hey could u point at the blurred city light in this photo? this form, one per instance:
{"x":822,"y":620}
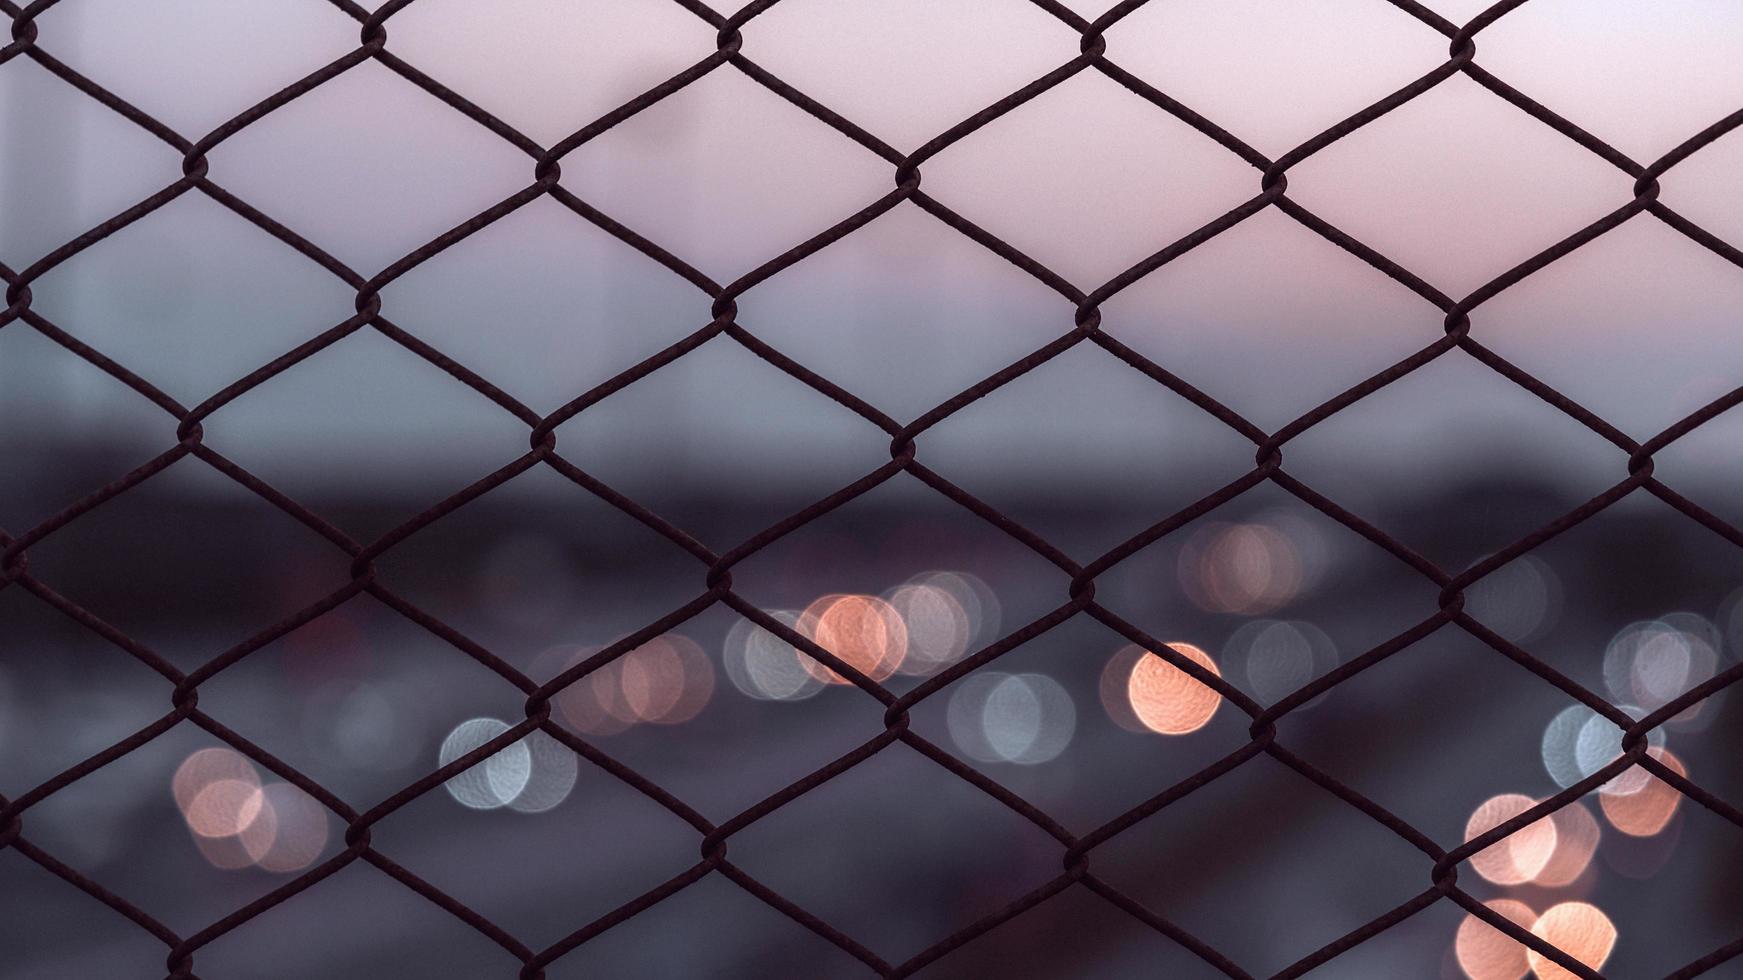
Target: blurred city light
{"x":1279,"y":657}
{"x":1026,"y":718}
{"x":1519,"y":600}
{"x":864,"y":631}
{"x":1579,"y":929}
{"x":494,"y":781}
{"x":1576,"y":840}
{"x":1168,"y":700}
{"x":1240,"y":568}
{"x":1485,"y":952}
{"x":1520,"y":856}
{"x":764,"y":666}
{"x":1647,"y":810}
{"x":938,"y":627}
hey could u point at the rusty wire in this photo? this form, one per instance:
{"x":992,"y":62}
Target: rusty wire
{"x":1076,"y":849}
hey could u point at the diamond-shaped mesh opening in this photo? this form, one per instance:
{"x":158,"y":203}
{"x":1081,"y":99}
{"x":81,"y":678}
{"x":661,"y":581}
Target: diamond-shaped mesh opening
{"x":548,"y":68}
{"x":173,"y":566}
{"x":1311,"y":322}
{"x":774,"y":193}
{"x":1057,"y":159}
{"x":331,"y":931}
{"x":917,"y":312}
{"x":1276,"y":849}
{"x":1456,"y":212}
{"x":915,"y":881}
{"x":1608,"y":296}
{"x":63,"y":181}
{"x":195,"y":63}
{"x":577,"y":294}
{"x":1320,"y":63}
{"x":1647,"y":99}
{"x":192,"y":297}
{"x":311,"y":165}
{"x":952,"y":59}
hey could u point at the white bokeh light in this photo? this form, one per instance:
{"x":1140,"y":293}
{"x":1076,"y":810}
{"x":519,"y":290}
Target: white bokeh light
{"x":1025,"y":719}
{"x":550,"y":777}
{"x":1519,"y":600}
{"x":764,"y":666}
{"x":1599,"y":742}
{"x":493,"y":782}
{"x":1280,"y":656}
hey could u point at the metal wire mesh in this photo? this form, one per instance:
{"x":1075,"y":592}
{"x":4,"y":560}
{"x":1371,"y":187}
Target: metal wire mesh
{"x":714,"y":569}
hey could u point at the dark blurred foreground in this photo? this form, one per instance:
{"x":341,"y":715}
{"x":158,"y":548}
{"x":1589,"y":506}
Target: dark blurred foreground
{"x":897,"y":852}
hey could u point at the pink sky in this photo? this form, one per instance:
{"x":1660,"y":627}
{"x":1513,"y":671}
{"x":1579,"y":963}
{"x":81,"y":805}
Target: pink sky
{"x":1457,"y":186}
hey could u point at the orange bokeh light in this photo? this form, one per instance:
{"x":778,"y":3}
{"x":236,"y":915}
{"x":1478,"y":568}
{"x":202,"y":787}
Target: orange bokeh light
{"x":1518,"y":857}
{"x":1485,"y":952}
{"x":1168,"y":700}
{"x":1578,"y":929}
{"x":695,"y":681}
{"x":224,"y":808}
{"x":666,"y":680}
{"x":1646,"y":811}
{"x":865,"y":632}
{"x":594,"y":704}
{"x":652,"y":678}
{"x":206,"y":766}
{"x":1116,"y":675}
{"x":1241,"y":568}
{"x":1576,"y":840}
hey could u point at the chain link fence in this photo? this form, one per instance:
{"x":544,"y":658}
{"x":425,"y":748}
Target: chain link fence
{"x":1441,"y":866}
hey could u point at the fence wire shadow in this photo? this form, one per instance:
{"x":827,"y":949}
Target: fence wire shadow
{"x":716,"y":568}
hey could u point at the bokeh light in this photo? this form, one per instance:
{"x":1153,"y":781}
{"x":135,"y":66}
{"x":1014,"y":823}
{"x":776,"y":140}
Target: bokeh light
{"x":295,"y":836}
{"x":594,"y":704}
{"x":359,"y":724}
{"x":652,"y":678}
{"x":667,"y":680}
{"x":1578,"y":742}
{"x":1650,"y":663}
{"x":863,"y":631}
{"x":1116,"y":700}
{"x":937,"y":626}
{"x":1240,"y":568}
{"x":238,"y":823}
{"x":1578,"y":929}
{"x":973,"y":595}
{"x":496,"y":780}
{"x":1168,"y":700}
{"x":764,"y":666}
{"x":1025,"y":718}
{"x":224,"y":807}
{"x":1519,"y":600}
{"x":1520,"y":856}
{"x":551,"y":777}
{"x":1485,"y":952}
{"x":229,"y":853}
{"x":1600,"y":743}
{"x":1560,"y":740}
{"x":218,"y":794}
{"x":1279,"y":657}
{"x":206,"y":766}
{"x":1576,"y":840}
{"x":1646,"y":811}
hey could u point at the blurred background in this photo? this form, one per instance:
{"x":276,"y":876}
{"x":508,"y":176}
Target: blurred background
{"x":1638,"y":604}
